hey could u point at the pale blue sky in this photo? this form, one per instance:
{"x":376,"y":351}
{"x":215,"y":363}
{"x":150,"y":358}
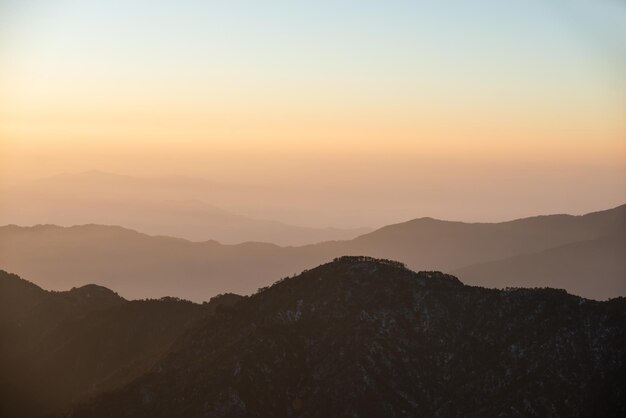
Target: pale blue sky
{"x":521,"y":43}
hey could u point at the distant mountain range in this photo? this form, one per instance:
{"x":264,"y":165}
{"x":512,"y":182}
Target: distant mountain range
{"x":166,"y":206}
{"x":354,"y":337}
{"x":583,"y":254}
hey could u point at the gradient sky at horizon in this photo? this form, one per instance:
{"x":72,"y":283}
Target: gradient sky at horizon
{"x":327,"y":94}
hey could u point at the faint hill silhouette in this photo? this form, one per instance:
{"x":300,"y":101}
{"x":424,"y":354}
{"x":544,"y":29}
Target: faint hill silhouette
{"x":162,"y":206}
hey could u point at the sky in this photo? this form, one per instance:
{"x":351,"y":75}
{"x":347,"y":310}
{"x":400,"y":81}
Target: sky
{"x":476,"y":110}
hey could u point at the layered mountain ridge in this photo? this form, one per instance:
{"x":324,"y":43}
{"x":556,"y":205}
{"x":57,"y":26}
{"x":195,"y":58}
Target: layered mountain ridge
{"x":139,"y":265}
{"x":172,"y":206}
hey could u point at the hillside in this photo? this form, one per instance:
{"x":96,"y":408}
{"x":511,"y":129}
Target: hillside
{"x":139,"y":265}
{"x":61,"y":347}
{"x":370,"y":338}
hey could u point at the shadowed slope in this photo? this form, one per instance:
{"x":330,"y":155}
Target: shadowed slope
{"x":66,"y":346}
{"x":17,"y":296}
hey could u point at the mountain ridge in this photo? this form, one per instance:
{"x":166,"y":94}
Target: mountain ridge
{"x":139,"y":265}
{"x":365,"y":337}
{"x":356,"y":335}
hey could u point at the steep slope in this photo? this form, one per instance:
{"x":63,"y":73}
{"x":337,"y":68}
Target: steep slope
{"x":139,"y":265}
{"x":594,"y":268}
{"x":70,"y":345}
{"x":155,"y":206}
{"x":369,"y":338}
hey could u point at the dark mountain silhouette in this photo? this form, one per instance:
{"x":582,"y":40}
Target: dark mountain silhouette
{"x":61,"y":347}
{"x":139,"y":265}
{"x":370,"y":338}
{"x":17,"y":296}
{"x":595,"y":268}
{"x":165,"y":206}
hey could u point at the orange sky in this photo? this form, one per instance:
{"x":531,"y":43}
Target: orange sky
{"x":296,"y":97}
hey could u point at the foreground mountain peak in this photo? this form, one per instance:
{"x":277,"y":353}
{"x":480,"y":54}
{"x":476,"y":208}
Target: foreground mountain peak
{"x":361,"y":267}
{"x":94,"y":291}
{"x":368,"y":337}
